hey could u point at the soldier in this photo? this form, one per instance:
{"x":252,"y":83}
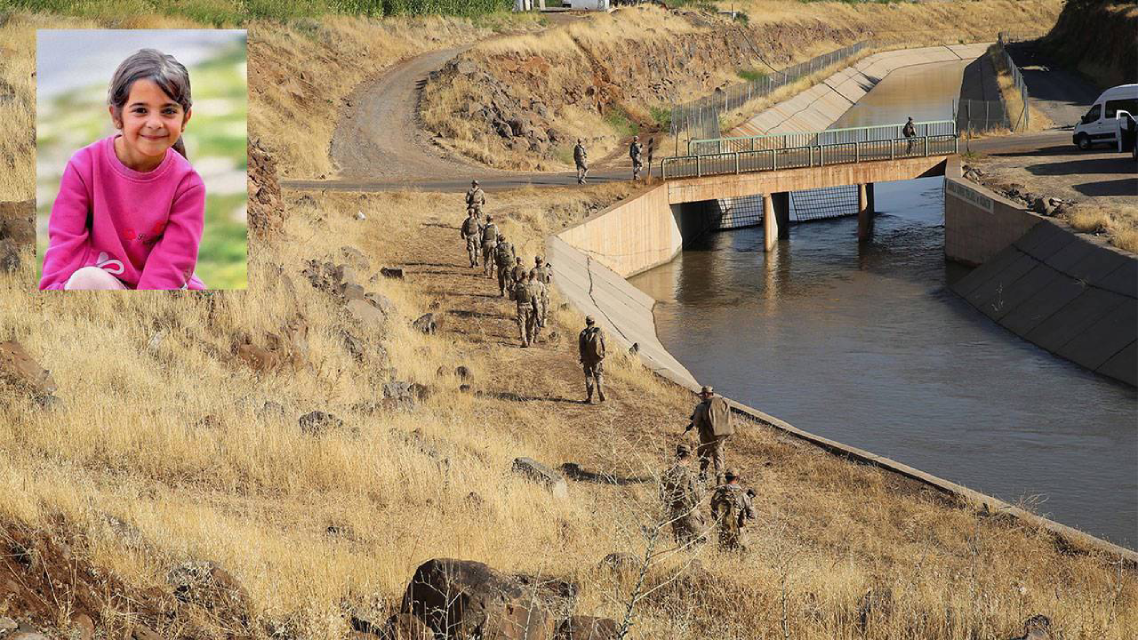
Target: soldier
{"x":679,"y":491}
{"x":636,"y":152}
{"x":475,"y":199}
{"x":525,"y":295}
{"x":591,"y":347}
{"x":503,"y":257}
{"x":545,"y":277}
{"x":731,"y":507}
{"x":518,"y":274}
{"x":540,"y":295}
{"x":472,"y":233}
{"x":489,"y":242}
{"x":910,"y":132}
{"x":712,"y":418}
{"x":580,"y":158}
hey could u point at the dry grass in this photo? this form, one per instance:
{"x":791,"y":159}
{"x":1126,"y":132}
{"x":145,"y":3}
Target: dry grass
{"x":1118,"y":223}
{"x":1013,"y":98}
{"x":251,"y":491}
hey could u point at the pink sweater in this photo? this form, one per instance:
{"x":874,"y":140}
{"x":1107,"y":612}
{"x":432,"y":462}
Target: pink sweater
{"x":142,"y":227}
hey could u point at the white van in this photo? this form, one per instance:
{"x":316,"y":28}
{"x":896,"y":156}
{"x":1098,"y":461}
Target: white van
{"x":1099,"y":125}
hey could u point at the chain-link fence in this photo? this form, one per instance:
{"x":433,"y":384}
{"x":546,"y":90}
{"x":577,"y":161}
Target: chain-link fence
{"x":700,"y":118}
{"x":979,"y":116}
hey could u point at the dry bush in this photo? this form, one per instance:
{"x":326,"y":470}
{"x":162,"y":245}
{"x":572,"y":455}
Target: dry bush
{"x":1013,"y":98}
{"x":1118,"y":223}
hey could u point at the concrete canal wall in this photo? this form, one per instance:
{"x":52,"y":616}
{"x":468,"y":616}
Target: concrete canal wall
{"x":1069,"y":293}
{"x":823,"y":104}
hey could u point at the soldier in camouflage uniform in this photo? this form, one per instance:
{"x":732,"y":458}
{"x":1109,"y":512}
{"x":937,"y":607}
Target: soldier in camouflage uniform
{"x":591,"y":347}
{"x":636,"y":152}
{"x":525,"y":294}
{"x":489,"y":243}
{"x":518,"y":274}
{"x":545,"y":277}
{"x":504,"y":258}
{"x":731,"y":507}
{"x":475,"y":199}
{"x":679,"y":491}
{"x":539,"y":295}
{"x":581,"y":159}
{"x":712,"y":420}
{"x":472,"y":233}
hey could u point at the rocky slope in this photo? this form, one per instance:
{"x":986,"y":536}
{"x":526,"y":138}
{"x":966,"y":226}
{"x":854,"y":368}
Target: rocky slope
{"x":1099,"y":38}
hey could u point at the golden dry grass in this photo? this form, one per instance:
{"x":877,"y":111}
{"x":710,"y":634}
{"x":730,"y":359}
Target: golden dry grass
{"x":1013,"y":98}
{"x":251,"y":491}
{"x":1118,"y":223}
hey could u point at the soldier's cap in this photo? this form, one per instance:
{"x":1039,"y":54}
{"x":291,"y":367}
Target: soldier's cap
{"x":635,"y":137}
{"x":589,"y":320}
{"x":730,"y":475}
{"x":683,"y":450}
{"x":474,"y":182}
{"x":538,"y":259}
{"x":707,"y":389}
{"x":488,"y":218}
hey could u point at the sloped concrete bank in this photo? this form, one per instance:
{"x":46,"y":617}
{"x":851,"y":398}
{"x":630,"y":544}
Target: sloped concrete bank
{"x":820,"y":106}
{"x":1068,"y":293}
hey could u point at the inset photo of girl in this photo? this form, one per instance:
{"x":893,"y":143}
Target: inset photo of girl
{"x":141,"y":159}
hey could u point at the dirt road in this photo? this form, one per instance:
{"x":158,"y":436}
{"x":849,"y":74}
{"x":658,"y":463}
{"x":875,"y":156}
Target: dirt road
{"x":1062,"y":95}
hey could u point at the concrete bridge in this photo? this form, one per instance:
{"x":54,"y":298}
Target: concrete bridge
{"x":648,"y":229}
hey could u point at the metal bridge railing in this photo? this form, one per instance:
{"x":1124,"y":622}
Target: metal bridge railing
{"x":817,"y":138}
{"x":801,"y":157}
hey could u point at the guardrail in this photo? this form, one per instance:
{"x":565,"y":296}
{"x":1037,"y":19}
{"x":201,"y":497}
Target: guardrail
{"x":802,"y":157}
{"x":818,"y":138}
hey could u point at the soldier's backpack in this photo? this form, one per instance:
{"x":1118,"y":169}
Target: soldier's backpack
{"x":503,"y":255}
{"x":490,"y":234}
{"x":522,"y":293}
{"x":594,"y":348}
{"x":725,"y":509}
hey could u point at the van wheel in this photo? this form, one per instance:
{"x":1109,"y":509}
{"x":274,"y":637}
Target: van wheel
{"x":1083,"y":141}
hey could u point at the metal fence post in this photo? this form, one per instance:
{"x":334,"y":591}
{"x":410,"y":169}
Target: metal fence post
{"x":736,"y":162}
{"x":926,"y":146}
{"x":698,"y":167}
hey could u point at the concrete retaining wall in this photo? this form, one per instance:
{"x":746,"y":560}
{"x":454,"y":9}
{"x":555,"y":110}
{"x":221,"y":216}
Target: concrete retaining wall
{"x":820,"y":106}
{"x":1069,"y":293}
{"x":631,"y":236}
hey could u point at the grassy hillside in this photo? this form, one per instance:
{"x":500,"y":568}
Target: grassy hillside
{"x":172,"y":446}
{"x":1097,"y":37}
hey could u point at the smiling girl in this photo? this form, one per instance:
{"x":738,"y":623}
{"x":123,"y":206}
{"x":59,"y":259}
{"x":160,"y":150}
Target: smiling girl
{"x":130,"y":209}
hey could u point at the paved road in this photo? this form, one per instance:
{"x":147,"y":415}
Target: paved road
{"x":1062,"y":95}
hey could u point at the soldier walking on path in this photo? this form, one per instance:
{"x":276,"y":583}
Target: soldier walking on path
{"x":910,"y":132}
{"x":518,"y":275}
{"x":581,"y":158}
{"x":712,"y":420}
{"x":545,"y":277}
{"x":472,"y":233}
{"x":504,"y":258}
{"x":591,"y":347}
{"x":636,"y":152}
{"x":731,"y":506}
{"x":679,"y":491}
{"x":489,"y":243}
{"x":540,"y":296}
{"x":475,"y":199}
{"x":525,"y":294}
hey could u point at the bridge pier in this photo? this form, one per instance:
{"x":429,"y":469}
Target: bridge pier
{"x":776,"y":218}
{"x":865,"y":211}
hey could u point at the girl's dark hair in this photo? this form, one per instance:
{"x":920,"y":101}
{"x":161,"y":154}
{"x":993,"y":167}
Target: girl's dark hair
{"x":161,"y":69}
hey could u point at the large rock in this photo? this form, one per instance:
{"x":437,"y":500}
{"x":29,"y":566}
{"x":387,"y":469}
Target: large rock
{"x":19,"y":369}
{"x":466,"y":600}
{"x":426,"y":323}
{"x":265,"y":208}
{"x":10,"y":254}
{"x":543,"y":475}
{"x":587,"y":628}
{"x":369,"y":316}
{"x":17,"y":222}
{"x":405,"y":626}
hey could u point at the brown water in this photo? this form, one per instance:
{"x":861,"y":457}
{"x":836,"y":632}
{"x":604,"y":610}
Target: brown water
{"x":866,"y":345}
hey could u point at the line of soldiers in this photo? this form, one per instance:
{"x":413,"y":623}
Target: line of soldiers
{"x":529,"y":288}
{"x":682,"y":489}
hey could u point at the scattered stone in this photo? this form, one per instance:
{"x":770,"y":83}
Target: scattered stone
{"x":392,"y":272}
{"x":265,"y":211}
{"x":19,"y":369}
{"x":7,"y":625}
{"x":564,"y":306}
{"x":360,"y":216}
{"x":466,"y":599}
{"x":305,"y":201}
{"x":381,"y":302}
{"x":441,"y":371}
{"x":1037,"y":627}
{"x":208,"y":422}
{"x":420,"y":391}
{"x":50,"y":403}
{"x":367,"y":315}
{"x":9,"y":256}
{"x":355,"y":257}
{"x":634,"y":349}
{"x":29,"y":634}
{"x":139,"y":632}
{"x":474,"y":499}
{"x":464,"y":388}
{"x":399,"y":393}
{"x":426,"y":323}
{"x":543,"y":475}
{"x":317,"y":422}
{"x":84,"y":625}
{"x":1042,"y":206}
{"x":587,"y":628}
{"x":354,"y":346}
{"x":207,"y":585}
{"x":463,"y":373}
{"x":353,"y":291}
{"x":155,"y":341}
{"x":466,"y":68}
{"x":271,"y":409}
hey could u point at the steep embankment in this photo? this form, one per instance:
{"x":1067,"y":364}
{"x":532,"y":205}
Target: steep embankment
{"x":316,"y":445}
{"x":520,"y":103}
{"x":1099,"y":38}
